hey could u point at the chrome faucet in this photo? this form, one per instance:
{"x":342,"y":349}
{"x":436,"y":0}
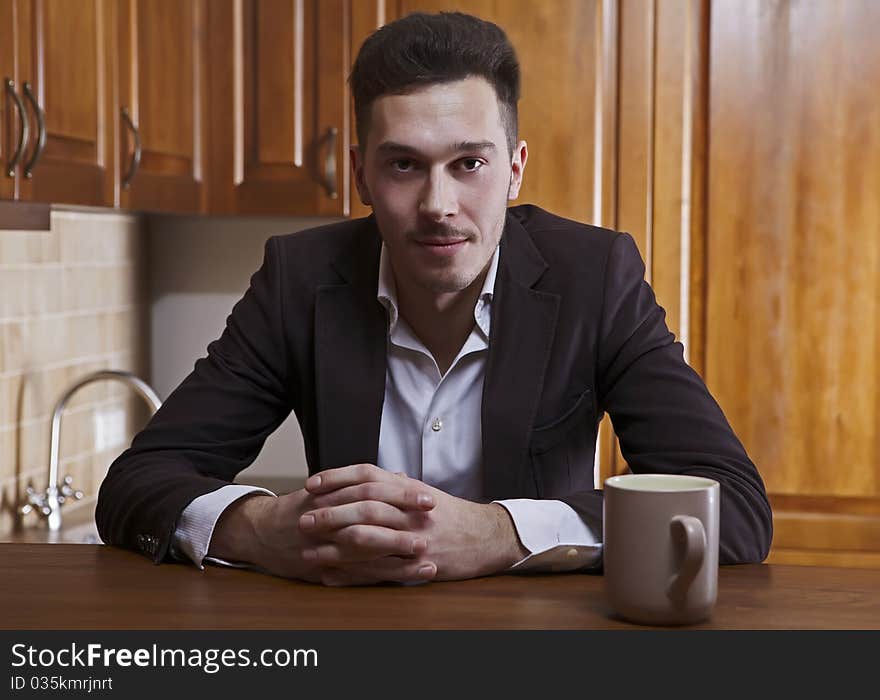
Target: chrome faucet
{"x":48,"y":504}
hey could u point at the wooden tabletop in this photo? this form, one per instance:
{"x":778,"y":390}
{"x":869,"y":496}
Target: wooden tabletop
{"x":71,"y":586}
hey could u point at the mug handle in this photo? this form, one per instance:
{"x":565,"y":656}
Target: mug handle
{"x":689,"y":530}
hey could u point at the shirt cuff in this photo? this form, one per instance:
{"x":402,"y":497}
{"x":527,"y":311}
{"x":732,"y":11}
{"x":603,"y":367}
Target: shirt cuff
{"x":554,"y":534}
{"x":195,"y":527}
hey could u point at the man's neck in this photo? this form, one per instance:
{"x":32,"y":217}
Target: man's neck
{"x":442,"y":321}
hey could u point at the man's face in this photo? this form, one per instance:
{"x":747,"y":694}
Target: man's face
{"x":437,"y":172}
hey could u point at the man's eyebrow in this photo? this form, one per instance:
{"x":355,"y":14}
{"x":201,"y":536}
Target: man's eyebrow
{"x":476,"y":146}
{"x":394,"y":147}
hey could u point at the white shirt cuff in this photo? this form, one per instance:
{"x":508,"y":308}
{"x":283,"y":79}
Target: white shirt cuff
{"x":554,"y":534}
{"x":196,"y":524}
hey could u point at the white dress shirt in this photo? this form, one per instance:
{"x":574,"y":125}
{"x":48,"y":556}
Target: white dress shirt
{"x":431,"y":430}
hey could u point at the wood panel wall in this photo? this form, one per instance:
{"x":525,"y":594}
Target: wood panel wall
{"x":793,"y":293}
{"x":749,"y":173}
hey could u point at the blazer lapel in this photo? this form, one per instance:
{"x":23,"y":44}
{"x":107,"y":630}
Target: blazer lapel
{"x":521,"y":336}
{"x":350,"y":356}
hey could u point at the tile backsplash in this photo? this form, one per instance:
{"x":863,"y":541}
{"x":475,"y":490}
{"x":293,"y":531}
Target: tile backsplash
{"x":72,"y":301}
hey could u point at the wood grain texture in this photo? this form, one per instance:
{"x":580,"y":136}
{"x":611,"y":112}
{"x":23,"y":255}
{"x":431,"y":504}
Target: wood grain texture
{"x":660,"y":161}
{"x":794,"y":255}
{"x":635,"y":169}
{"x":63,"y":54}
{"x":634,"y":162}
{"x":332,"y":64}
{"x":8,"y":115}
{"x":162,"y":48}
{"x":277,"y":87}
{"x":366,"y":17}
{"x":800,"y":556}
{"x":93,"y":587}
{"x":678,"y":152}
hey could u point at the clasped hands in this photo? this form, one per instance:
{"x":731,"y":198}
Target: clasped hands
{"x":361,"y":524}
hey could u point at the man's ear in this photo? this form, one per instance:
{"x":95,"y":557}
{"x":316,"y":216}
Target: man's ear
{"x":357,"y":169}
{"x":517,"y":167}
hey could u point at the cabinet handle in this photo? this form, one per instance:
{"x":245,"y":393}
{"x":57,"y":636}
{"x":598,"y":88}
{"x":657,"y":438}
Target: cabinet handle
{"x":136,"y":156}
{"x":41,"y":131}
{"x":330,"y":162}
{"x":23,"y":128}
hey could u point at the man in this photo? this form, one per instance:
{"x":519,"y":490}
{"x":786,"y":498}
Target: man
{"x":448,"y":388}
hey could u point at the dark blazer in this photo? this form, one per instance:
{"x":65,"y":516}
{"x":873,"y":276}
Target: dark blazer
{"x":575,"y":332}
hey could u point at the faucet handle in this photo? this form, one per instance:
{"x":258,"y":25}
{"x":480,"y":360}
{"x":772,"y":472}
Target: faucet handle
{"x":67,"y":491}
{"x":35,"y":502}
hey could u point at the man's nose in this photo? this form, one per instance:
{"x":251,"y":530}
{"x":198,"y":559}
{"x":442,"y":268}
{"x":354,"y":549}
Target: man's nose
{"x":438,"y":199}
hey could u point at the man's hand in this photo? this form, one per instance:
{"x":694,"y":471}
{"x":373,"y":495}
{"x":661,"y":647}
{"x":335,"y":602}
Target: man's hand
{"x":358,"y":506}
{"x":264,"y":531}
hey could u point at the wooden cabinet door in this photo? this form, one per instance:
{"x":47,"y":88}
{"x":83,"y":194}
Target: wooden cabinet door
{"x":161,"y":112}
{"x":748,"y":159}
{"x":279,"y":107}
{"x":794,"y":264}
{"x":64,"y":62}
{"x":9,"y":110}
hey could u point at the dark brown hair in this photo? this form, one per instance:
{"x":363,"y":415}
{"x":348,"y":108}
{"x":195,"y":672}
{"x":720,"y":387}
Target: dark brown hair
{"x":423,"y":49}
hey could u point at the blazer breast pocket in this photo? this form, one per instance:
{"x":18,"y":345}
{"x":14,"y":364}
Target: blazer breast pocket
{"x":548,"y":435}
{"x":562,"y":451}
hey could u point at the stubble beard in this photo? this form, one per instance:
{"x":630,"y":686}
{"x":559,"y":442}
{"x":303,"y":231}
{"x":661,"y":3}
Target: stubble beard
{"x":451,"y":281}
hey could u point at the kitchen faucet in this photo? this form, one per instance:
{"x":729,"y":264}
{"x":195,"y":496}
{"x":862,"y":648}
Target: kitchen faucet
{"x":48,"y":504}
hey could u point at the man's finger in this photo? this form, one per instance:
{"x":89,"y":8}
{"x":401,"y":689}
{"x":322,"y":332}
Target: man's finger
{"x":333,"y":479}
{"x":408,"y":494}
{"x":322,"y":520}
{"x":360,"y":543}
{"x":330,"y":479}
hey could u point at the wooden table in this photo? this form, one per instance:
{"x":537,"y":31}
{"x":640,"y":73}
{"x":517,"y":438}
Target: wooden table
{"x":68,"y":586}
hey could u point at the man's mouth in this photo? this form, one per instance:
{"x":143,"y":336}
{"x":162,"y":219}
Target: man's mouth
{"x":443,"y":247}
{"x":441,"y":242}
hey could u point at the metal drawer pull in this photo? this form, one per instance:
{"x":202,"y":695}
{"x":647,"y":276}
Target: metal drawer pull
{"x":330,"y":162}
{"x":41,"y":131}
{"x":136,"y":156}
{"x":23,"y":129}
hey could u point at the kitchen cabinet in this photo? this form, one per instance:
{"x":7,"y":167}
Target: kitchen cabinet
{"x":793,"y":264}
{"x":279,"y":107}
{"x":57,"y":67}
{"x":10,"y":103}
{"x":161,"y":115}
{"x":113,"y":98}
{"x":113,"y":104}
{"x":747,"y":142}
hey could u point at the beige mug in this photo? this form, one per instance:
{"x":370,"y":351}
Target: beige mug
{"x":661,"y":547}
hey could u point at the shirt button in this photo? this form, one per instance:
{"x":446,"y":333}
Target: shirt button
{"x":571,"y":553}
{"x":436,"y":425}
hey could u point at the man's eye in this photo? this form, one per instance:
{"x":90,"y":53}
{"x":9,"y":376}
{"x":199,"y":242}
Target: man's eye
{"x":471,"y":165}
{"x":402,"y":165}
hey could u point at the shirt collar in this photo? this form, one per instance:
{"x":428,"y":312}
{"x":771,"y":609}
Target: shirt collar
{"x":387,"y":293}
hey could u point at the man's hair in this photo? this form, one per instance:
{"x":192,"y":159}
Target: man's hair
{"x":423,"y":49}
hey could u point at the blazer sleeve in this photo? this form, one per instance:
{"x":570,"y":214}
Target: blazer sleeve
{"x":663,"y":414}
{"x":210,"y":428}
